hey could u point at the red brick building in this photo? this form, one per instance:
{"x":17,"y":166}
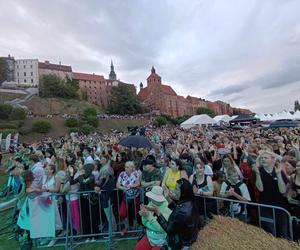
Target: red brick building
{"x":97,"y":88}
{"x":163,"y":99}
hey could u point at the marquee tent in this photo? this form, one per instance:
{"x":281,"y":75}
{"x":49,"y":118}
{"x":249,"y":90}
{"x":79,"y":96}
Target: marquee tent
{"x":223,"y":118}
{"x":197,"y":120}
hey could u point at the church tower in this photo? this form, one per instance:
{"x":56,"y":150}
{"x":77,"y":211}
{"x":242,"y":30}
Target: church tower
{"x":112,"y":74}
{"x":154,"y":79}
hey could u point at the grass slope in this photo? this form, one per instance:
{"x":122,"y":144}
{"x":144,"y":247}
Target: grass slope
{"x":9,"y":96}
{"x":45,"y":106}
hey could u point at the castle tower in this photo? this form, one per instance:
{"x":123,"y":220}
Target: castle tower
{"x":154,"y":79}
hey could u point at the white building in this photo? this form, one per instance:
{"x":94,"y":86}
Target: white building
{"x":26,"y":72}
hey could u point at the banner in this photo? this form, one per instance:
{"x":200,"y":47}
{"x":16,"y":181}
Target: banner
{"x":0,"y":141}
{"x":7,"y":143}
{"x":16,"y":139}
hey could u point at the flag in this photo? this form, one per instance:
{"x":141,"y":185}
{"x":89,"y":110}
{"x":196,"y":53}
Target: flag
{"x":7,"y":144}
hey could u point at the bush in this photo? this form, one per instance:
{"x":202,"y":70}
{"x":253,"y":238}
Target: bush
{"x":5,"y":132}
{"x":71,"y":123}
{"x":90,"y":112}
{"x":17,"y":114}
{"x":5,"y":110}
{"x":25,"y":131}
{"x":74,"y":130}
{"x":41,"y":126}
{"x":11,"y":124}
{"x":160,"y":121}
{"x":91,"y":120}
{"x":87,"y":129}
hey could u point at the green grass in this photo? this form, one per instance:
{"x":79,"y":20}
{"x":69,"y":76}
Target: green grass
{"x":9,"y":96}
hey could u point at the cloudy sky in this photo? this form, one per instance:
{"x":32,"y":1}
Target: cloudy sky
{"x":243,"y":52}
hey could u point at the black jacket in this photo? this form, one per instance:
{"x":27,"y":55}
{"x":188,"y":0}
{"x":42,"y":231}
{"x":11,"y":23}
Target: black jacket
{"x":182,"y":226}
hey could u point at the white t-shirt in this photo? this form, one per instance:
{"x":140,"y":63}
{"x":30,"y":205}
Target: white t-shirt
{"x":208,"y":170}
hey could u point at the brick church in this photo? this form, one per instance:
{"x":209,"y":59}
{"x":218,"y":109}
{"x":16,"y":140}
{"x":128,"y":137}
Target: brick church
{"x":163,"y":99}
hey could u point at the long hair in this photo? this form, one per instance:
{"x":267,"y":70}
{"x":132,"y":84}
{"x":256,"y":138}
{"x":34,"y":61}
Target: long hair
{"x":186,"y":190}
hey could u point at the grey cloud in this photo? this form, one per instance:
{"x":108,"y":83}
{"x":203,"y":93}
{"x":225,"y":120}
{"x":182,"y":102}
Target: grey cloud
{"x":196,"y":47}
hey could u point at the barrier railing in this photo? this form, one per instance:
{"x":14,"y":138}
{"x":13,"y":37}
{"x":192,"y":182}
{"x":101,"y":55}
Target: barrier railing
{"x":268,"y":217}
{"x":108,"y":217}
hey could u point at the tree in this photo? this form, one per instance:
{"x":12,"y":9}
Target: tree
{"x":160,"y":121}
{"x":2,"y":70}
{"x":17,"y":114}
{"x":297,"y":106}
{"x":53,"y":86}
{"x":89,"y":112}
{"x":87,"y":129}
{"x":123,"y":101}
{"x":41,"y":126}
{"x":203,"y":110}
{"x":71,"y":123}
{"x":5,"y":110}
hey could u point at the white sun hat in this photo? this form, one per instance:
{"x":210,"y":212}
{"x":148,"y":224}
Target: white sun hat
{"x":156,"y":194}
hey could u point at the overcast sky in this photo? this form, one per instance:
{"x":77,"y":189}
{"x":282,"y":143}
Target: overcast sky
{"x":243,"y":52}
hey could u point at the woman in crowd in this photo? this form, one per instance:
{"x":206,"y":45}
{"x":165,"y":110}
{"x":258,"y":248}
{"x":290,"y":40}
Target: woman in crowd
{"x":203,"y":186}
{"x":294,"y":199}
{"x":182,"y":225}
{"x":129,"y":182}
{"x":235,"y":189}
{"x":52,"y":185}
{"x":172,"y":175}
{"x":271,"y":183}
{"x":86,"y":183}
{"x":155,"y":236}
{"x":105,"y":189}
{"x":228,"y":162}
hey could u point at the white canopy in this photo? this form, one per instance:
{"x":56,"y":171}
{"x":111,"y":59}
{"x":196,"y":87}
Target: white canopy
{"x":197,"y":120}
{"x":224,"y":118}
{"x":297,"y":115}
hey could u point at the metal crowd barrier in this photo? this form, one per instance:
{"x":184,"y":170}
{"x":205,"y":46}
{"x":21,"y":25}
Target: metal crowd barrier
{"x":107,"y":225}
{"x":268,"y":216}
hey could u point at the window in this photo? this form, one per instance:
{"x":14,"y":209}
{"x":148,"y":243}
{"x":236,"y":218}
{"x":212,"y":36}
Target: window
{"x":17,"y":66}
{"x":24,"y":66}
{"x":25,"y":80}
{"x":31,"y":80}
{"x":31,"y":73}
{"x":31,"y":66}
{"x":24,"y":73}
{"x":17,"y":73}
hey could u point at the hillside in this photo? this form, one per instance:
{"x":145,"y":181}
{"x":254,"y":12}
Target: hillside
{"x":44,"y":106}
{"x":59,"y":129}
{"x":10,"y":96}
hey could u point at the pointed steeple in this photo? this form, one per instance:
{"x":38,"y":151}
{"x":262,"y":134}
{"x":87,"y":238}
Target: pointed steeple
{"x":112,"y":74}
{"x":153,"y":70}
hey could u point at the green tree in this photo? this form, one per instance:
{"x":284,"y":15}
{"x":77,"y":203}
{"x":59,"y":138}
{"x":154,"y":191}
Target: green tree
{"x":2,"y":70}
{"x":71,"y":123}
{"x":17,"y":114}
{"x":123,"y":101}
{"x":160,"y":121}
{"x":41,"y":126}
{"x":5,"y":110}
{"x":297,"y":106}
{"x":89,"y":112}
{"x":53,"y":86}
{"x":203,"y":110}
{"x":87,"y":129}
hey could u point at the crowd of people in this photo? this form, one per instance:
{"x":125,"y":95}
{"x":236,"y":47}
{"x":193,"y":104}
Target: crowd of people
{"x":168,"y":189}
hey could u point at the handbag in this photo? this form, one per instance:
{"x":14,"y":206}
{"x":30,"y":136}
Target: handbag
{"x":131,"y":194}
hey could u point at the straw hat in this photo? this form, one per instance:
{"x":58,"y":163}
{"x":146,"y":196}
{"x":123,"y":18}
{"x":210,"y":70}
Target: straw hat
{"x":156,"y":194}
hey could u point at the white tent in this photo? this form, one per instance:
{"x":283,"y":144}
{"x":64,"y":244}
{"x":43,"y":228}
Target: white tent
{"x":297,"y":115}
{"x":223,"y":118}
{"x":197,"y":120}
